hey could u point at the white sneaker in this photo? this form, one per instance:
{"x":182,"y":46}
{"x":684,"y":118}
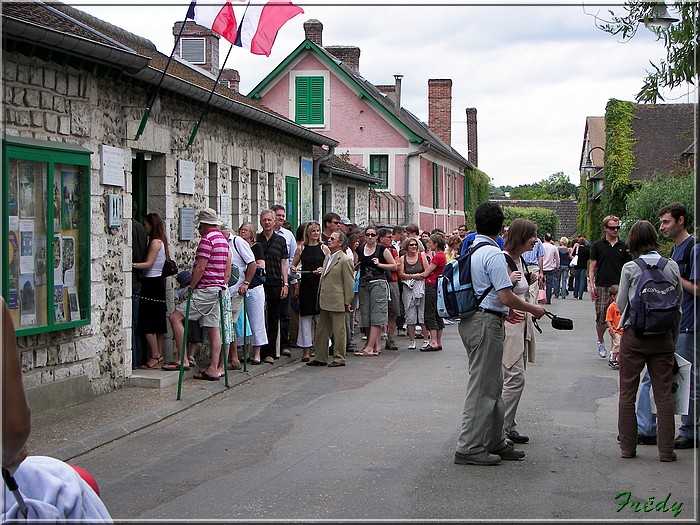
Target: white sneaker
{"x":426,"y":344}
{"x":412,"y":345}
{"x":602,"y":352}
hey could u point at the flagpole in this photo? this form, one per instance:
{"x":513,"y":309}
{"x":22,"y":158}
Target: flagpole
{"x":152,"y":100}
{"x":206,"y":106}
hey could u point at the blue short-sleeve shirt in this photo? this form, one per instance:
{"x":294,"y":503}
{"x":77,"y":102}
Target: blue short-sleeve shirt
{"x":489,"y":268}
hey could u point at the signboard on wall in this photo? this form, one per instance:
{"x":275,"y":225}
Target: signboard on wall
{"x":306,"y":173}
{"x":186,"y":224}
{"x":185,"y":177}
{"x":112,"y":166}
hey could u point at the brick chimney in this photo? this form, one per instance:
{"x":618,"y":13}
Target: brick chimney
{"x":198,"y":45}
{"x":440,"y":108}
{"x":231,"y":78}
{"x":348,"y":55}
{"x":472,"y":144}
{"x":313,"y":29}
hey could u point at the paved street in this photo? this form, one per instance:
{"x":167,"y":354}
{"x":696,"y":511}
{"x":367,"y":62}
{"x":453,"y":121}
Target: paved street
{"x":375,"y":440}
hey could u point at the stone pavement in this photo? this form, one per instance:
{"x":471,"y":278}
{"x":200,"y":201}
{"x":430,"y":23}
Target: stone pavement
{"x":70,"y":432}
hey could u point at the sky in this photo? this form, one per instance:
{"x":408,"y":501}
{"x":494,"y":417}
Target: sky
{"x":533,"y":72}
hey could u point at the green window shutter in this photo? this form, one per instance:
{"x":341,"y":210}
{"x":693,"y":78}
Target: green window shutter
{"x":436,"y":187}
{"x":309,"y":100}
{"x":379,"y":167}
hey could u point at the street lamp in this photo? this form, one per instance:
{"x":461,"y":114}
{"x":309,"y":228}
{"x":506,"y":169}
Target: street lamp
{"x":588,"y":167}
{"x":659,"y":19}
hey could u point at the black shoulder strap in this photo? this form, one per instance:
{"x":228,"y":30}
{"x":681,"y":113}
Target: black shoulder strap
{"x":685,"y":261}
{"x":511,"y":262}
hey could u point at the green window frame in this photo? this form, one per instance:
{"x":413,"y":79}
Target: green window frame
{"x":46,"y":278}
{"x":379,"y":168}
{"x":436,"y":186}
{"x":309,"y":100}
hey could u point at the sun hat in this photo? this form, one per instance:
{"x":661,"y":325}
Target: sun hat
{"x":346,"y":221}
{"x":208,"y":216}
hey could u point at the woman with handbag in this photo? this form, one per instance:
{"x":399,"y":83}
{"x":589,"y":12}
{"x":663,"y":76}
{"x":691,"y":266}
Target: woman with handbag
{"x":519,"y":342}
{"x":411,"y":268}
{"x":152,"y":307}
{"x":255,"y":296}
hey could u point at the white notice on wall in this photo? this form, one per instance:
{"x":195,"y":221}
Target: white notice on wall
{"x":225,"y":205}
{"x":112,"y":170}
{"x":185,"y":177}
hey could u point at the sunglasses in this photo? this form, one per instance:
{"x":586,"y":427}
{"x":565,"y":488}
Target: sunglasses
{"x":413,"y":244}
{"x":335,"y":222}
{"x":370,"y":234}
{"x":612,"y":227}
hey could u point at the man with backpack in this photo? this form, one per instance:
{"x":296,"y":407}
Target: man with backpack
{"x":674,"y":224}
{"x":482,"y":439}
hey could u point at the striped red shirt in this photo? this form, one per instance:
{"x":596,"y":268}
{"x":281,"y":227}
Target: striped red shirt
{"x":214,"y":248}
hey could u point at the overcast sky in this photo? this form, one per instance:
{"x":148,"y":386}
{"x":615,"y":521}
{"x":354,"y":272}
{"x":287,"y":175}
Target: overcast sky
{"x":533,"y":72}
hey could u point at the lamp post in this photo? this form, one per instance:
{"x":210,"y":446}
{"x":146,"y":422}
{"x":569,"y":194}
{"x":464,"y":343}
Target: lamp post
{"x":659,"y":19}
{"x":588,"y":167}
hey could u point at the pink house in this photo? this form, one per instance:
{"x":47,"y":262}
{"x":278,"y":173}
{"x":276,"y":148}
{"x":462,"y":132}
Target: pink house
{"x":422,"y":177}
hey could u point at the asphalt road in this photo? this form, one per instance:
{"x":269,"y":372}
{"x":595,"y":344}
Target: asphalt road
{"x":376,"y":439}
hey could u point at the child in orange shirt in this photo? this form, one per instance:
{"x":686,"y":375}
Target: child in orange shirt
{"x":612,"y":319}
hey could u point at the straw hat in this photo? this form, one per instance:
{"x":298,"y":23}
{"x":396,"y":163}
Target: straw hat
{"x":208,"y":216}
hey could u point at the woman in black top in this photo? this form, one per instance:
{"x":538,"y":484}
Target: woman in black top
{"x":374,"y":262}
{"x":584,"y":254}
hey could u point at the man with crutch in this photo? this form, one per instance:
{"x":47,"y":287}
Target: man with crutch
{"x":212,"y":263}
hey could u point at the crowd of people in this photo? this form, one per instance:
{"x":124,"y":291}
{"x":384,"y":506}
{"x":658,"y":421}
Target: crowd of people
{"x":334,"y":278}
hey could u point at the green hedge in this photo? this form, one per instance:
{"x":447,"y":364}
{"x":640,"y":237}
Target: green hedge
{"x":547,"y":220}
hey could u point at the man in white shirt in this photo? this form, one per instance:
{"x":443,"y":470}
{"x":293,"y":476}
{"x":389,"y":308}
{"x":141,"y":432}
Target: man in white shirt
{"x":280,"y":216}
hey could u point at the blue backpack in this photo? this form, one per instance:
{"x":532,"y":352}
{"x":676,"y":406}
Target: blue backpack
{"x":455,"y":293}
{"x":654,"y":309}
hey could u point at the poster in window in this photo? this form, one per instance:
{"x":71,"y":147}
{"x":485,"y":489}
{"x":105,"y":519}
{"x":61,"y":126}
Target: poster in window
{"x":26,"y":246}
{"x":26,"y":191}
{"x":57,"y":260}
{"x":59,"y":310}
{"x":56,"y":205}
{"x":12,"y":205}
{"x":27,"y":300}
{"x":68,"y":254}
{"x":13,"y":282}
{"x":69,"y":199}
{"x":40,"y":259}
{"x":73,"y":304}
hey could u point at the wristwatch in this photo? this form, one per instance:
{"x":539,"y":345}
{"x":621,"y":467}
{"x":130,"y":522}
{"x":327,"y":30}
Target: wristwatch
{"x":285,"y":284}
{"x":246,"y":283}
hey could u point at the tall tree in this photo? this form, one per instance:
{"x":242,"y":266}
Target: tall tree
{"x":680,"y":39}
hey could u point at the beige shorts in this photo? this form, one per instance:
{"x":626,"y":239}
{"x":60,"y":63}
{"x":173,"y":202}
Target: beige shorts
{"x":615,"y":349}
{"x":204,"y":307}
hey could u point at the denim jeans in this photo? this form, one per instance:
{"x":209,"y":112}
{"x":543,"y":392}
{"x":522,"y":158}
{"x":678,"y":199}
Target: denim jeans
{"x":646,"y":421}
{"x":563,"y":281}
{"x":684,"y":348}
{"x":549,"y":280}
{"x":579,"y":282}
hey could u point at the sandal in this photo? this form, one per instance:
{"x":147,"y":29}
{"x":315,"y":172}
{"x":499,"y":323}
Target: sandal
{"x":363,"y":353}
{"x":173,"y":367}
{"x":253,"y":361}
{"x":157,"y":360}
{"x":192,"y":361}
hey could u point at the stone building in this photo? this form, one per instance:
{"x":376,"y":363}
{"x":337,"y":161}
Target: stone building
{"x":74,"y":176}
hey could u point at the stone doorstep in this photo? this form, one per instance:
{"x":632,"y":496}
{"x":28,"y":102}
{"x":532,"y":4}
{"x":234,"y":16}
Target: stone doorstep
{"x":157,"y":378}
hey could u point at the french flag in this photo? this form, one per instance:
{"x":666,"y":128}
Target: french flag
{"x":217,"y":16}
{"x":261,"y":23}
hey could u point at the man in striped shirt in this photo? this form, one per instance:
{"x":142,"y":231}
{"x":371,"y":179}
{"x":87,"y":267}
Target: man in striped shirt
{"x":212,"y":267}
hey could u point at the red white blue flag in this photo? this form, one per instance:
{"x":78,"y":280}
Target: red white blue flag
{"x":261,"y":23}
{"x":217,"y":16}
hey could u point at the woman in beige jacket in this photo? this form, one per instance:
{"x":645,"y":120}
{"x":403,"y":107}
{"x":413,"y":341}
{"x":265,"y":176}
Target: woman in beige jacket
{"x":519,"y":343}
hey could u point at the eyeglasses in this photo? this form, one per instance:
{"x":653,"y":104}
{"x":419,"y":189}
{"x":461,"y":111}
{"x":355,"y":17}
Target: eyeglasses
{"x":370,"y":234}
{"x":335,"y":222}
{"x":612,"y":227}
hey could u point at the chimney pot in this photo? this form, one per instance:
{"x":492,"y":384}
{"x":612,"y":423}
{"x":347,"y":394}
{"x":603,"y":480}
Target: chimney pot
{"x":472,"y":144}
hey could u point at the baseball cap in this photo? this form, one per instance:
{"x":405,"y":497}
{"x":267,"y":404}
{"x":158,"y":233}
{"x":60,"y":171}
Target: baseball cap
{"x":345,"y":221}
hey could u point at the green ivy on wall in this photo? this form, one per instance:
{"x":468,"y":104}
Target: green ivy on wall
{"x":476,"y":193}
{"x":619,"y":157}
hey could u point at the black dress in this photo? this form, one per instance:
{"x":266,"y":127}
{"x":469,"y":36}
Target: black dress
{"x":311,"y":258}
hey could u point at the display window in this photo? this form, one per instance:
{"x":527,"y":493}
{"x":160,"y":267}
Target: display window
{"x":46,"y":274}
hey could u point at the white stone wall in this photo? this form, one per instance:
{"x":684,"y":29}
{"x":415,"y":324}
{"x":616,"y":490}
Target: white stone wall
{"x":45,"y":101}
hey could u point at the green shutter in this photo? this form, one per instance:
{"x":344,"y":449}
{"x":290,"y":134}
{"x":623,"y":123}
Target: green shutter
{"x":309,"y":100}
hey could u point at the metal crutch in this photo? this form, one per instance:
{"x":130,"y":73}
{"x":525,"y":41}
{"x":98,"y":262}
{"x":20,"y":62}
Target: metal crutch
{"x":221,"y":329}
{"x":12,"y":485}
{"x":184,"y":344}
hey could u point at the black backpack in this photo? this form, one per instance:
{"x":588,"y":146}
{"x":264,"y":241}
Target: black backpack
{"x":655,"y":307}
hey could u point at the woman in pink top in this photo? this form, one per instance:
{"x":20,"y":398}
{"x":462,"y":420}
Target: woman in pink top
{"x":433,"y":322}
